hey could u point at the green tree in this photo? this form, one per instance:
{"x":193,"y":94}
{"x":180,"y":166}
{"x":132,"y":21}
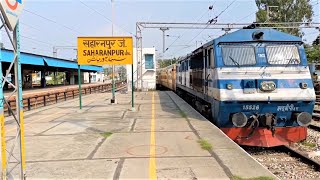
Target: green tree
{"x":285,"y":11}
{"x":313,"y":51}
{"x":122,"y":73}
{"x":108,"y":70}
{"x":166,"y":62}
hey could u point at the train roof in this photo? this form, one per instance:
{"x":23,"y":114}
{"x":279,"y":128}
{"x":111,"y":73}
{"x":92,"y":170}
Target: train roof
{"x":247,"y":35}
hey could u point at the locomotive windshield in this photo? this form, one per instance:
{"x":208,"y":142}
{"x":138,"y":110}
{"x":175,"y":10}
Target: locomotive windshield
{"x":283,"y":54}
{"x":238,"y":55}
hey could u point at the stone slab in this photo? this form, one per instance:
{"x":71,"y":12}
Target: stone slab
{"x":71,"y":170}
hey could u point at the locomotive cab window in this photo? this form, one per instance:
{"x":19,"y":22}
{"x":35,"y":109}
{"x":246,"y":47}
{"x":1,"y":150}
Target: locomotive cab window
{"x":238,"y":55}
{"x":283,"y":54}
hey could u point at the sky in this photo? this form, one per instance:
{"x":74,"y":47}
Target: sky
{"x":48,"y":23}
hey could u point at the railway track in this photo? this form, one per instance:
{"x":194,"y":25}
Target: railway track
{"x":301,"y":161}
{"x":286,"y":162}
{"x":314,"y":127}
{"x":316,"y":114}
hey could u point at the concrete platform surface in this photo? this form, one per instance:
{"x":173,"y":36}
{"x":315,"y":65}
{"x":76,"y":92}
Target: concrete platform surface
{"x":159,"y":140}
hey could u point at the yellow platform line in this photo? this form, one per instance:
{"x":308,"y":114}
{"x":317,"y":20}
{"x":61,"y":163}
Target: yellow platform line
{"x":152,"y":160}
{"x":3,"y":147}
{"x":23,"y":154}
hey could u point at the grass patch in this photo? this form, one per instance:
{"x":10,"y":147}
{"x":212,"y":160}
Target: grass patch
{"x":183,"y":114}
{"x":205,"y":144}
{"x":255,"y":178}
{"x":106,"y":134}
{"x":309,"y":144}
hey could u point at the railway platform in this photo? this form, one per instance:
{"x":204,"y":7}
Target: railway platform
{"x":163,"y":138}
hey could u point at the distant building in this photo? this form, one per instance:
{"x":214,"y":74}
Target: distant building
{"x":148,"y":70}
{"x":93,"y":77}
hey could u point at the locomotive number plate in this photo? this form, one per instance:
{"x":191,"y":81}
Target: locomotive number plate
{"x":250,"y":107}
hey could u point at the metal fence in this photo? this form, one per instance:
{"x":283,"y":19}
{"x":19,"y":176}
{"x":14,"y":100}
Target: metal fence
{"x":35,"y":101}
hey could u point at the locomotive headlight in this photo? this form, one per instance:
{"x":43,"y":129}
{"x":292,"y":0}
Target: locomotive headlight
{"x":268,"y":86}
{"x":229,"y":86}
{"x":304,"y":119}
{"x":239,"y":119}
{"x":303,"y":85}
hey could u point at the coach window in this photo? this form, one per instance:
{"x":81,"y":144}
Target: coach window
{"x":182,"y":64}
{"x":211,"y":58}
{"x":208,"y":58}
{"x":187,"y":64}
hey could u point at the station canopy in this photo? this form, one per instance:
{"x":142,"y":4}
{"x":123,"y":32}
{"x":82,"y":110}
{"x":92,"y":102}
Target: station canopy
{"x":39,"y":60}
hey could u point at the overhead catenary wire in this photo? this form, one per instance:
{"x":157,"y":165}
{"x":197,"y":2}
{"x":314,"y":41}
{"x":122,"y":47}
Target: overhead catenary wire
{"x":106,"y":18}
{"x":27,"y":25}
{"x":53,"y":21}
{"x":245,"y":17}
{"x":74,"y":31}
{"x":225,"y":9}
{"x":26,"y":37}
{"x":33,"y":39}
{"x":212,"y":21}
{"x":179,"y":37}
{"x":37,"y":29}
{"x":31,"y":49}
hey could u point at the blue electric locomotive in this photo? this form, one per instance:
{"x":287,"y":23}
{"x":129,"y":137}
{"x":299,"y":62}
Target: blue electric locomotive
{"x":254,"y":83}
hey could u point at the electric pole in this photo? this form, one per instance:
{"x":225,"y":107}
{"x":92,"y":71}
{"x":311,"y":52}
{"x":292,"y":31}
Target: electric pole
{"x":164,"y":29}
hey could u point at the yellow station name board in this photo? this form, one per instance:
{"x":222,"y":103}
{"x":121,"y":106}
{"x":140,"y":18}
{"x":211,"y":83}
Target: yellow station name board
{"x":105,"y":50}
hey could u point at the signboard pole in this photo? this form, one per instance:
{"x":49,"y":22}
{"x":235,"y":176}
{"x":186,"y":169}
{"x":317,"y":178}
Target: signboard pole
{"x":80,"y":90}
{"x":113,"y":86}
{"x":113,"y":100}
{"x":132,"y":87}
{"x":19,"y":100}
